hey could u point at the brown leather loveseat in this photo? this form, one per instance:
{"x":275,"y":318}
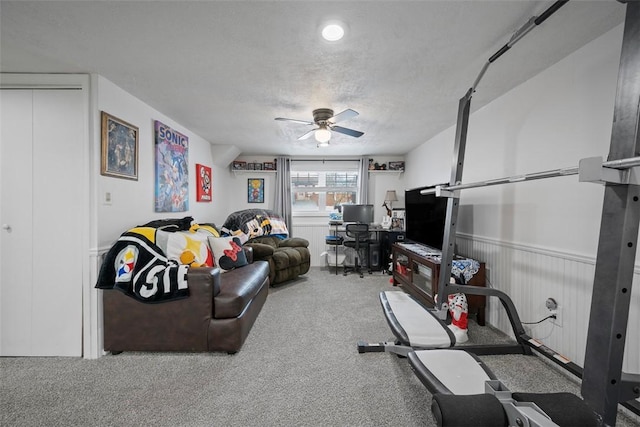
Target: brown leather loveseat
{"x":216,"y":316}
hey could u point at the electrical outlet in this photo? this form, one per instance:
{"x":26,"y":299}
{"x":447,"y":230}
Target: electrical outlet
{"x":558,"y":313}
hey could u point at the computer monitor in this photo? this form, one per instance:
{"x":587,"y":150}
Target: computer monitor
{"x":362,"y":214}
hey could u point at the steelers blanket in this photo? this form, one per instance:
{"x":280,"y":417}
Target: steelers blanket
{"x":136,"y":266}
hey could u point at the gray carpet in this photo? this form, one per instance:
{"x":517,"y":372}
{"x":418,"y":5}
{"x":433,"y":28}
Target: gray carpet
{"x":298,"y":367}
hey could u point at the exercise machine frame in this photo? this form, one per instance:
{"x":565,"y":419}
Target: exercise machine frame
{"x":604,"y":385}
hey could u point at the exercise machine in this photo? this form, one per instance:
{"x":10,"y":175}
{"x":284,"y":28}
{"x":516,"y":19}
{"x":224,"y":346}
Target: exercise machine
{"x":604,"y":385}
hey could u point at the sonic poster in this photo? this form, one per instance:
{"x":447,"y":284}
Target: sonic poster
{"x":172,"y":173}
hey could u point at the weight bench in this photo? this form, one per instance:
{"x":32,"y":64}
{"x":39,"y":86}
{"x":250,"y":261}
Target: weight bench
{"x":466,"y":393}
{"x":417,"y":327}
{"x":413,"y":325}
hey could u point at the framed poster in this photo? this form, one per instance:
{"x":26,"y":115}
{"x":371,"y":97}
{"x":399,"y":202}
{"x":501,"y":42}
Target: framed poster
{"x":255,"y":190}
{"x":119,"y":148}
{"x":203,"y":191}
{"x":172,"y":173}
{"x":269,"y":166}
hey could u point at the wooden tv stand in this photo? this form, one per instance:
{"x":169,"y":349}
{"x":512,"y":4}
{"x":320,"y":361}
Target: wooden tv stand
{"x":419,"y":274}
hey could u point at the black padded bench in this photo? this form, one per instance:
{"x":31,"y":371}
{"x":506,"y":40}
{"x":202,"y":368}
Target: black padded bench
{"x":466,"y":393}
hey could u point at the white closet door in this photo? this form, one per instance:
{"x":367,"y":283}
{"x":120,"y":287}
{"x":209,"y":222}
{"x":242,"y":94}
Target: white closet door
{"x":40,"y":247}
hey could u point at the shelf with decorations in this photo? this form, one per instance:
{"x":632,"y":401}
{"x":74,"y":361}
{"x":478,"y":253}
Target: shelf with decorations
{"x":240,"y":166}
{"x":389,"y":167}
{"x":236,"y":171}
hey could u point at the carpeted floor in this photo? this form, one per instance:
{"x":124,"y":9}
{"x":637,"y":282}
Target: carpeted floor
{"x":298,"y":367}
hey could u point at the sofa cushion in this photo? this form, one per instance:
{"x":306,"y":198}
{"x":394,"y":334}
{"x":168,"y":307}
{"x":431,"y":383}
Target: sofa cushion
{"x":272,"y":241}
{"x":238,"y":287}
{"x":294,"y":242}
{"x":285,"y":257}
{"x":227,"y":252}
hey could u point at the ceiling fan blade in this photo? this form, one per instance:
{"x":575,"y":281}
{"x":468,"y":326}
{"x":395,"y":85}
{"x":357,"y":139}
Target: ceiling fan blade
{"x":345,"y":115}
{"x":307,"y":135}
{"x":347,"y":131}
{"x":304,"y":122}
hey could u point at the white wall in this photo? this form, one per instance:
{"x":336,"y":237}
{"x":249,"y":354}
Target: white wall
{"x":551,"y":121}
{"x":236,"y":183}
{"x":133,"y":201}
{"x":539,"y":239}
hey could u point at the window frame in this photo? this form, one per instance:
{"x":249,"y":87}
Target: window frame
{"x":323,"y":169}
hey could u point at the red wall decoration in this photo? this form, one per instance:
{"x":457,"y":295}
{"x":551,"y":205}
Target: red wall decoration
{"x":203,"y":189}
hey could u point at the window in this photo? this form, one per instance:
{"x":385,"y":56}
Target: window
{"x":318,"y":186}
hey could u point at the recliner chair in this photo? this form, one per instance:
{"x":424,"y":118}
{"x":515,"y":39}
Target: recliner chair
{"x":360,"y":235}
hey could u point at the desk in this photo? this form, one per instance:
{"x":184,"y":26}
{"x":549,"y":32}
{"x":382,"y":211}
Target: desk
{"x":379,"y":249}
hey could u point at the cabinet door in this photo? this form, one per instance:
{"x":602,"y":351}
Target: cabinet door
{"x":40,"y":211}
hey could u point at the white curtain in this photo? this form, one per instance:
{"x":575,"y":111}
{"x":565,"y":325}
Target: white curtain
{"x":283,"y":189}
{"x":363,"y":178}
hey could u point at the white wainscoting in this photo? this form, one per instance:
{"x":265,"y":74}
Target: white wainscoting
{"x":315,"y":234}
{"x":530,"y":275}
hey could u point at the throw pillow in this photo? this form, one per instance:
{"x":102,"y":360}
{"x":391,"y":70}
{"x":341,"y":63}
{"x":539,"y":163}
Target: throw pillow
{"x":189,"y":248}
{"x":227,"y":252}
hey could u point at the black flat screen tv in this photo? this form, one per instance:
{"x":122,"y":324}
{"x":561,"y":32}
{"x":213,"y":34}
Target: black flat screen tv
{"x":425,"y":217}
{"x":362,"y":214}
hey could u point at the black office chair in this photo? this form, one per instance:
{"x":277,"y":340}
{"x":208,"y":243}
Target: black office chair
{"x":360,"y":235}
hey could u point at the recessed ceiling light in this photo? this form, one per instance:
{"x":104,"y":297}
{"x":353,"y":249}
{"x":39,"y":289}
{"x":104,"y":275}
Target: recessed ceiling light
{"x":332,"y":32}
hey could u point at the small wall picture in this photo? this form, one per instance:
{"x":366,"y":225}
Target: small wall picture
{"x":255,"y":190}
{"x":239,"y":166}
{"x":251,"y":166}
{"x":398,"y":213}
{"x":269,"y":166}
{"x":397,"y":223}
{"x":257,"y":166}
{"x":119,"y":148}
{"x":396,"y":166}
{"x":203,"y":190}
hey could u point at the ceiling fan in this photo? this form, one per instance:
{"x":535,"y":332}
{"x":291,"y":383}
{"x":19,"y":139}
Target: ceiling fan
{"x":326,"y":122}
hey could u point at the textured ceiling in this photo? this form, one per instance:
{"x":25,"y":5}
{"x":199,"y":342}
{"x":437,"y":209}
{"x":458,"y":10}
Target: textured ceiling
{"x":226,"y":69}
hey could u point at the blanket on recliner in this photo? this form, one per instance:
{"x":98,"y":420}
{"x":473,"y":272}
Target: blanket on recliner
{"x":136,"y":266}
{"x":250,"y":223}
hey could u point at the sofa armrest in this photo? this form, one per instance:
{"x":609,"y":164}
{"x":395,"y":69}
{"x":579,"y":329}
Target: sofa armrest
{"x":248,"y":253}
{"x":261,"y":251}
{"x":180,"y":325}
{"x":204,"y":280}
{"x":295,"y":242}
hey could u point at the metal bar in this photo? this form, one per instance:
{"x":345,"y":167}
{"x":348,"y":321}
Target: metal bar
{"x":505,"y":300}
{"x":451,"y":220}
{"x":612,"y":164}
{"x":604,"y":384}
{"x":520,"y":33}
{"x":506,"y":180}
{"x":622,"y":163}
{"x":547,"y":13}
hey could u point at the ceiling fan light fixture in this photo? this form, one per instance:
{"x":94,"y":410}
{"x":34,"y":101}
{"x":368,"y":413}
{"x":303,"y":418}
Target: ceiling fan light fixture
{"x":332,"y":32}
{"x":322,"y":135}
